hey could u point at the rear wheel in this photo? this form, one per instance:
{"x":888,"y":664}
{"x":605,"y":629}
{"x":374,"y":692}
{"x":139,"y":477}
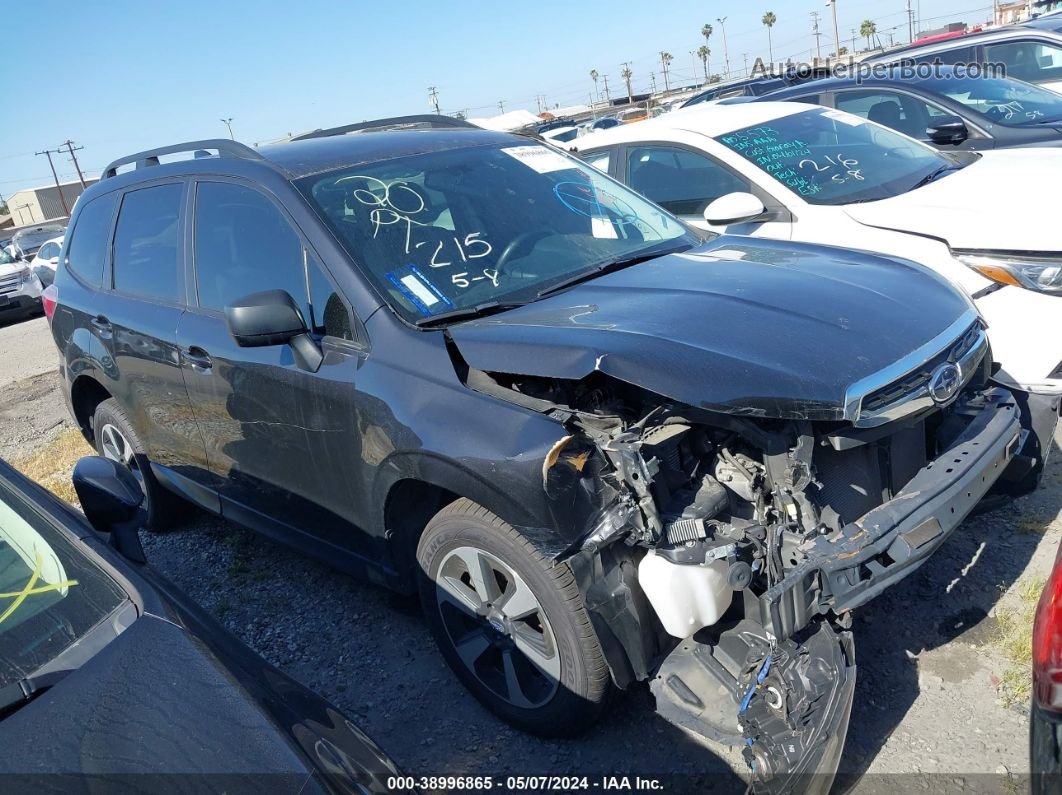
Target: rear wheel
{"x":510,"y":623}
{"x":115,"y":439}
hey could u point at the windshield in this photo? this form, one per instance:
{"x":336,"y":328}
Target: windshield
{"x":452,"y":230}
{"x":50,"y":593}
{"x":1008,"y":102}
{"x":36,"y":238}
{"x":830,"y":157}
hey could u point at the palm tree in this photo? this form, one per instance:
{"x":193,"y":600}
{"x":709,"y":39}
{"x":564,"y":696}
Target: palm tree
{"x":665,"y":59}
{"x":626,"y":74}
{"x":703,"y":52}
{"x":706,"y":31}
{"x":593,"y":76}
{"x":769,"y":19}
{"x":868,"y":29}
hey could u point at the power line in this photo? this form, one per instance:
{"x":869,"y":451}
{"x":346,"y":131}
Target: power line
{"x":71,"y":149}
{"x":58,"y":187}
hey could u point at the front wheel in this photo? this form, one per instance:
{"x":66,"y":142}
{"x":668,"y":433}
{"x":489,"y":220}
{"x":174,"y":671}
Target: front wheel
{"x":510,"y":623}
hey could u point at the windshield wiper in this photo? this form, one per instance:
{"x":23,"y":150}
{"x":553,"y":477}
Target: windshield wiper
{"x":608,"y":267}
{"x":465,"y":313}
{"x":22,"y":691}
{"x":933,"y":175}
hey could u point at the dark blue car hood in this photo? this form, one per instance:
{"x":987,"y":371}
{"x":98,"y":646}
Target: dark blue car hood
{"x":742,"y":326}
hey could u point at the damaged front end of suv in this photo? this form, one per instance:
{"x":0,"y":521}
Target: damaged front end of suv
{"x":742,"y":498}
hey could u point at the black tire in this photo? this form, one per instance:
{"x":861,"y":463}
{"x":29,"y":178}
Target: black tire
{"x":163,"y":507}
{"x":583,"y":685}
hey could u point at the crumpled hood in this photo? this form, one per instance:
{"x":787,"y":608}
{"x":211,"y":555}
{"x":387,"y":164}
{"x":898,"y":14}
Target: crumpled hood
{"x":754,"y":327}
{"x":1003,"y":201}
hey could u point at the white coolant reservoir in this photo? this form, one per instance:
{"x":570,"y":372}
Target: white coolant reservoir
{"x":685,"y":598}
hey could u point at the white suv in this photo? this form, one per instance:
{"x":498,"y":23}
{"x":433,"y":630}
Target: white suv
{"x":20,"y":289}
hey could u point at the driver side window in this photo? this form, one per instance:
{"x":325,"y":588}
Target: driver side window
{"x":902,"y":112}
{"x":680,"y":180}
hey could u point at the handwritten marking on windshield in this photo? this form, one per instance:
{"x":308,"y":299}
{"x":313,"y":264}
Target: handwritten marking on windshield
{"x":30,"y":589}
{"x":848,"y":167}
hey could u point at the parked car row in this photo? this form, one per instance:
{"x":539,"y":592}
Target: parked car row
{"x":602,"y":441}
{"x":27,"y":266}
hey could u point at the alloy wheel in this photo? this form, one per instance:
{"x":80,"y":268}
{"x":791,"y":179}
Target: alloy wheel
{"x":117,"y":448}
{"x":498,"y":627}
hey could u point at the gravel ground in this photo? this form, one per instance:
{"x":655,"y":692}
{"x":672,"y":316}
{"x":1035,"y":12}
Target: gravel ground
{"x":927,"y":702}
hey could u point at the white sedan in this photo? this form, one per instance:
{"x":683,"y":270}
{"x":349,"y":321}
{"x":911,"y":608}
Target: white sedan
{"x":986,"y":221}
{"x":46,"y":260}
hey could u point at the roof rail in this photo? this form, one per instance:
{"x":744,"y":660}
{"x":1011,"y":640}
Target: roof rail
{"x":427,"y":121}
{"x":226,"y":148}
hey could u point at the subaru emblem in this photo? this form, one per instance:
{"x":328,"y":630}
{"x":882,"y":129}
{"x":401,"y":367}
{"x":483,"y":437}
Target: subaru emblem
{"x":944,"y":382}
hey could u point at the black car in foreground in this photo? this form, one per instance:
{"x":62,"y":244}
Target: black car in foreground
{"x":466,"y":364}
{"x":111,"y":680}
{"x":945,"y":109}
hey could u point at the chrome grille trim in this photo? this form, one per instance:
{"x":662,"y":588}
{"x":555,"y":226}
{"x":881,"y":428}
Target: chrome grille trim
{"x":903,"y":387}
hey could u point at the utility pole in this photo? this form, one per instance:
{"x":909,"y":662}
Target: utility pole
{"x":71,"y":149}
{"x":853,"y":41}
{"x":433,"y":98}
{"x":836,"y":34}
{"x":627,"y":74}
{"x":501,"y":105}
{"x":816,"y":34}
{"x":664,"y":58}
{"x":58,"y":187}
{"x":652,"y":79}
{"x":538,"y":99}
{"x":608,"y":99}
{"x":726,"y":54}
{"x":746,"y":57}
{"x":910,"y":22}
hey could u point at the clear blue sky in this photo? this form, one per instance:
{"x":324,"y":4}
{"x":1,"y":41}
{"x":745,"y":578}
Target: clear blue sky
{"x":126,"y":75}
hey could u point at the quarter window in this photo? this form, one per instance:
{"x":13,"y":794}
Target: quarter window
{"x":145,"y":242}
{"x":329,"y":315}
{"x":48,"y":251}
{"x":680,"y":180}
{"x":91,"y":234}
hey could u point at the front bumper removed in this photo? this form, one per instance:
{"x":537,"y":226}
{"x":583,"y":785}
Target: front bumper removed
{"x":851,"y":566}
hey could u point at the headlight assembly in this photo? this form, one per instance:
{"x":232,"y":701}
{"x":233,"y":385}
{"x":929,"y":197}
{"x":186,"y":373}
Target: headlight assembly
{"x":1043,"y":274}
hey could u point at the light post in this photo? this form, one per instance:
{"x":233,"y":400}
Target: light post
{"x":228,"y":123}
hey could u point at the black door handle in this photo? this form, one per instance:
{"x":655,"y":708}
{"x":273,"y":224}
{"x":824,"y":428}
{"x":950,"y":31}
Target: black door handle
{"x":101,"y":323}
{"x":197,"y":357}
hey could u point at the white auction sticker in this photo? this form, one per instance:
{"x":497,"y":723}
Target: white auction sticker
{"x":540,"y":158}
{"x":416,"y":286}
{"x":844,"y":118}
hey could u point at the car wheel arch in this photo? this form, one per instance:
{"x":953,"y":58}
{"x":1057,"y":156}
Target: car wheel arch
{"x":428,"y":484}
{"x":86,"y":393}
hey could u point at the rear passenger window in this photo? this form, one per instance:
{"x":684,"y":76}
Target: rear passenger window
{"x":91,"y":235}
{"x":145,"y":242}
{"x":243,"y":245}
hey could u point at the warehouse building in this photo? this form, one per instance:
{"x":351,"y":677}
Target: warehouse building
{"x":33,"y":205}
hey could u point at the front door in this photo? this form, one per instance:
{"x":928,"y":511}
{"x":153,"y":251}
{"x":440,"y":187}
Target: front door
{"x":281,"y":441}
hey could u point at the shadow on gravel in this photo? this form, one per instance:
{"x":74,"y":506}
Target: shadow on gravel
{"x":951,"y":597}
{"x":370,"y":652}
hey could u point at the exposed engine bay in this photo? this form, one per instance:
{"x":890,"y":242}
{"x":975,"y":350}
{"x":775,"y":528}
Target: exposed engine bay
{"x":726,"y":551}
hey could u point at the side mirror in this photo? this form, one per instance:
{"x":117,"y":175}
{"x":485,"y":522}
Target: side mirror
{"x":947,"y":130}
{"x":263,"y":319}
{"x":734,"y":208}
{"x":272,"y":318}
{"x":111,"y":498}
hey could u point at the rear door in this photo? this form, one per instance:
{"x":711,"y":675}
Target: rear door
{"x":134,"y":321}
{"x":282,"y":442}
